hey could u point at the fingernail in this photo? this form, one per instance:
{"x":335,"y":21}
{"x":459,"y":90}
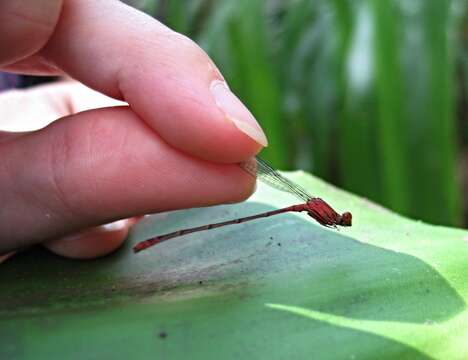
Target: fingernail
{"x":236,"y":112}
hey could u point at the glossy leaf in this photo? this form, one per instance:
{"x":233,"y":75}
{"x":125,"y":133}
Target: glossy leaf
{"x":279,"y":288}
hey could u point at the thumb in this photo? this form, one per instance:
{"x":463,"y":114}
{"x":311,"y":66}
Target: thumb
{"x":96,"y":167}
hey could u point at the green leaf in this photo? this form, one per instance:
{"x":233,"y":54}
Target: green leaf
{"x":360,"y":161}
{"x":237,"y":39}
{"x":282,"y":287}
{"x":431,"y":114}
{"x":391,"y":123}
{"x":181,"y":15}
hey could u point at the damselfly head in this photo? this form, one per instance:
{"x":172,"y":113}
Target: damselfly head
{"x":346,"y":219}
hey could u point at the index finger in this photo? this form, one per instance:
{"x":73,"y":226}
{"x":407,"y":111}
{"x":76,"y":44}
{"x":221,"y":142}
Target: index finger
{"x":165,"y":77}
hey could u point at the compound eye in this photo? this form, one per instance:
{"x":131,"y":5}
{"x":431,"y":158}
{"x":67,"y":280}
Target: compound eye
{"x":346,"y":219}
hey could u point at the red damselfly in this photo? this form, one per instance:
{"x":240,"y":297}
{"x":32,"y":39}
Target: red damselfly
{"x":313,"y":206}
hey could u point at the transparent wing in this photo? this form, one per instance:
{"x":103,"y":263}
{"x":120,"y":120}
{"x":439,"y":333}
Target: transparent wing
{"x":259,"y":168}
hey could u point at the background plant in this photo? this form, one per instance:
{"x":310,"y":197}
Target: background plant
{"x":367,"y":94}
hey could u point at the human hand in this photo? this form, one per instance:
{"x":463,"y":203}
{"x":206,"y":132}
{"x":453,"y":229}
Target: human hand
{"x":175,"y":146}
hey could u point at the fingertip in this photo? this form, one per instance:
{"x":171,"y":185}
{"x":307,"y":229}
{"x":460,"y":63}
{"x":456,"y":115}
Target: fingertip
{"x":248,"y":189}
{"x":207,"y":122}
{"x":188,"y":102}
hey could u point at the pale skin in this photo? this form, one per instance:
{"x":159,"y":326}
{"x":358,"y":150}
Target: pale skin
{"x":175,"y":145}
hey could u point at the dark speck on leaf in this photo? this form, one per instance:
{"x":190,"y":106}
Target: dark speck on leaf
{"x":271,"y":237}
{"x":163,"y":334}
{"x":200,"y":282}
{"x":279,"y":244}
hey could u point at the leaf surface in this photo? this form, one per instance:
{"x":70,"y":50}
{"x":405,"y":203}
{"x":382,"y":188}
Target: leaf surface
{"x":283,"y":287}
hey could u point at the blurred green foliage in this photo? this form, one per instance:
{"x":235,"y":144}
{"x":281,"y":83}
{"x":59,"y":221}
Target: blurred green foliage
{"x":363,"y":93}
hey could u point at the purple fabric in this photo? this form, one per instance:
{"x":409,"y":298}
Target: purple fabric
{"x":8,"y":81}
